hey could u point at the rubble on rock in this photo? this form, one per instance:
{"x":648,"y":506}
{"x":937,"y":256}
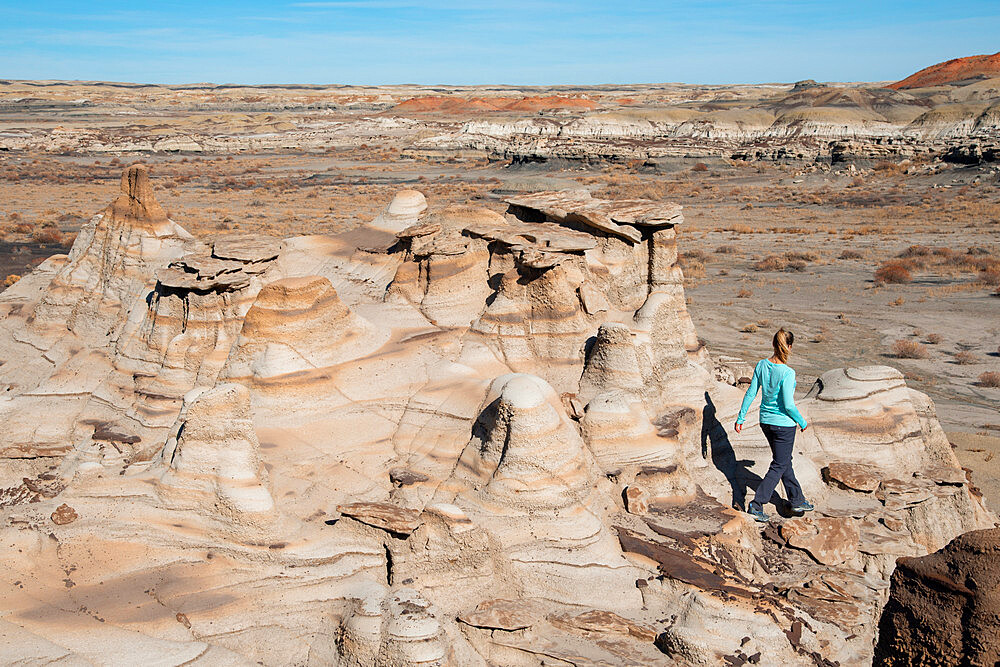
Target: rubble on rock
{"x":444,"y":437}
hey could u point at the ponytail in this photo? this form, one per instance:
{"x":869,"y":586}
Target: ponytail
{"x":782,"y":344}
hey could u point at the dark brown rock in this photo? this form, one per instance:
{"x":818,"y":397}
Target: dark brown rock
{"x":944,"y":608}
{"x":64,"y":514}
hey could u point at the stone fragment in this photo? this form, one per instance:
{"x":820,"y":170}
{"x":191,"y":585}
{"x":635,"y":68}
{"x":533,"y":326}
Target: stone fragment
{"x":64,"y":514}
{"x":388,"y":517}
{"x":831,"y":541}
{"x":405,"y":477}
{"x":636,"y":499}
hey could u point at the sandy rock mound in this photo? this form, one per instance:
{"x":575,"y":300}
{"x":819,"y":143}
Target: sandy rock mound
{"x":297,"y":325}
{"x":214,"y":460}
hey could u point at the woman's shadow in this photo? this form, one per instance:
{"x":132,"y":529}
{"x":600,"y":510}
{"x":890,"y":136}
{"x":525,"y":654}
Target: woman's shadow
{"x":715,"y":441}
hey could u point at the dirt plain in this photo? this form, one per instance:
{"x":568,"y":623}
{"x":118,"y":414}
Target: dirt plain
{"x":790,"y":242}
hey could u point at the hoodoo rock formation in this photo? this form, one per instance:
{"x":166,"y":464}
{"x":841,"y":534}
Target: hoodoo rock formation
{"x":446,"y":437}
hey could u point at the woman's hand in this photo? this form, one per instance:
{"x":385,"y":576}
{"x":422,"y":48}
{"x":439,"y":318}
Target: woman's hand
{"x":738,"y":427}
{"x":805,"y":427}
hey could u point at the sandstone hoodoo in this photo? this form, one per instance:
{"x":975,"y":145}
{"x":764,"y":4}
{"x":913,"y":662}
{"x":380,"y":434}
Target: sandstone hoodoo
{"x":450,"y":436}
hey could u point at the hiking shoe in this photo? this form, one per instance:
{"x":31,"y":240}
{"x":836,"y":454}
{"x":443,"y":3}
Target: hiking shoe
{"x":758,"y":515}
{"x":804,"y":506}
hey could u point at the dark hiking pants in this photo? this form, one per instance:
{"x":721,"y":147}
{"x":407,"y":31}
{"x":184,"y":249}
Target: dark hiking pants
{"x":781,"y":439}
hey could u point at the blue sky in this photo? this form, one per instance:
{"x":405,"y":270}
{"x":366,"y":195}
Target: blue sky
{"x":479,"y":41}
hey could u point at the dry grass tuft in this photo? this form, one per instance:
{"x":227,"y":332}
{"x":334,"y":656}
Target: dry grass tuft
{"x":47,"y":235}
{"x":989,"y":379}
{"x":726,"y":250}
{"x":933,"y":338}
{"x":851,"y":254}
{"x":909,"y":349}
{"x":749,"y":328}
{"x":11,"y":279}
{"x":893,"y":272}
{"x":744,"y":293}
{"x":965,"y":358}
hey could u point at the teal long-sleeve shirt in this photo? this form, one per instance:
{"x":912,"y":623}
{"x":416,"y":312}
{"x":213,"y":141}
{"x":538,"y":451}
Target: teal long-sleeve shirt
{"x":777,"y":405}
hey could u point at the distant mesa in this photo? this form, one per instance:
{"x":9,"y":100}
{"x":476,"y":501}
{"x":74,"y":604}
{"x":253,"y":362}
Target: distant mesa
{"x":951,"y":71}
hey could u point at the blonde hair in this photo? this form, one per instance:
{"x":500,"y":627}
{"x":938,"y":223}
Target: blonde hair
{"x":782,"y":344}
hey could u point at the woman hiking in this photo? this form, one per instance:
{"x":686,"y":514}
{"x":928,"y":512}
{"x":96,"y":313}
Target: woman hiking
{"x":778,"y":418}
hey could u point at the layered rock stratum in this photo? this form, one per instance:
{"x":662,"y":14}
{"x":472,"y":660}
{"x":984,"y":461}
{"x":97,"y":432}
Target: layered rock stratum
{"x":446,"y":437}
{"x":949,"y":111}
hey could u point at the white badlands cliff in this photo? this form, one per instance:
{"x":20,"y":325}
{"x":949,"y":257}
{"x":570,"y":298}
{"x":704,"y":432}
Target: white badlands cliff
{"x":445,"y":437}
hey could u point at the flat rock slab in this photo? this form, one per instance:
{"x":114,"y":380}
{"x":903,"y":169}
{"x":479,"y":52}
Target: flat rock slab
{"x":619,"y":218}
{"x":854,"y":476}
{"x":178,"y":278}
{"x":506,"y":615}
{"x":246,"y":248}
{"x":539,"y":235}
{"x":831,"y":541}
{"x":851,"y":384}
{"x":607,"y":622}
{"x":388,"y":517}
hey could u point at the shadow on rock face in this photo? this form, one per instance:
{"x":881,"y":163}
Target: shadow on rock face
{"x":715,"y":441}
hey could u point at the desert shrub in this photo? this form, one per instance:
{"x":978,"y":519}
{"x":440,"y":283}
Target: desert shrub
{"x":893,"y":272}
{"x":933,"y":338}
{"x":770,"y":263}
{"x":11,"y":279}
{"x":917,"y":251}
{"x":47,"y":235}
{"x":851,"y":254}
{"x":693,"y":269}
{"x":801,"y":256}
{"x":726,"y":250}
{"x":965,"y":358}
{"x":887,"y":167}
{"x":989,"y":379}
{"x":693,"y":256}
{"x":990,"y":277}
{"x":909,"y":349}
{"x":744,"y":293}
{"x":750,"y":328}
{"x":23,"y":228}
{"x":796,"y":265}
{"x":699,"y":166}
